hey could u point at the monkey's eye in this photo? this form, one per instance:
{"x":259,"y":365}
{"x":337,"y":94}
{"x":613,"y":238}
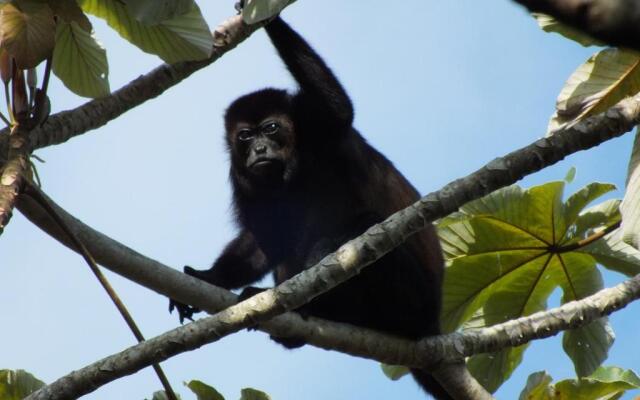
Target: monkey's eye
{"x":245,"y":135}
{"x":270,"y":128}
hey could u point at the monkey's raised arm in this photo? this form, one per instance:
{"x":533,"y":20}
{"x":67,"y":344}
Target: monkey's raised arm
{"x":312,"y":74}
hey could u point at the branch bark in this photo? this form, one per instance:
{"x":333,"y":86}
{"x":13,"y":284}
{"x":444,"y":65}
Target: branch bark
{"x":354,"y":256}
{"x":64,"y":125}
{"x":616,"y":22}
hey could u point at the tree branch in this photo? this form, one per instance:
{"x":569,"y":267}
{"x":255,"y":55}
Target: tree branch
{"x":12,"y":173}
{"x":350,"y":259}
{"x":616,"y":22}
{"x":64,"y":125}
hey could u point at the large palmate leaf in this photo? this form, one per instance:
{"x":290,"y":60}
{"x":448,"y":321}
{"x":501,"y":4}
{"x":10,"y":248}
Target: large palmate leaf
{"x":181,"y":38}
{"x":606,"y":78}
{"x":608,"y":383}
{"x":27,"y":31}
{"x":508,"y":251}
{"x":80,"y":61}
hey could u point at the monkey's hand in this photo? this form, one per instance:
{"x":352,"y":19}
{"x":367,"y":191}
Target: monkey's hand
{"x":185,"y":311}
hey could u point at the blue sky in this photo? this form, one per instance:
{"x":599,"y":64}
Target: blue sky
{"x":441,"y":88}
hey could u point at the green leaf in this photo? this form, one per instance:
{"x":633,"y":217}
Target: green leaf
{"x":605,"y":381}
{"x":614,"y":254}
{"x":596,"y":218}
{"x":204,"y":391}
{"x":394,"y":372}
{"x":70,"y":11}
{"x":507,"y":252}
{"x":253,"y":394}
{"x":492,"y":370}
{"x":258,"y":10}
{"x":606,"y":78}
{"x":181,"y":38}
{"x":588,"y":345}
{"x":80,"y":61}
{"x":16,"y":385}
{"x":630,"y":207}
{"x":571,"y":175}
{"x":538,"y":387}
{"x":27,"y":31}
{"x":162,"y":395}
{"x":152,"y":12}
{"x":549,"y":24}
{"x":582,"y":198}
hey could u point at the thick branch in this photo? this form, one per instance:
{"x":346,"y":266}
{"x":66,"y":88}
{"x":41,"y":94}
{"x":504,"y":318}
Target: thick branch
{"x":356,"y":254}
{"x":64,"y":125}
{"x":12,"y":173}
{"x":426,"y":353}
{"x":616,"y":22}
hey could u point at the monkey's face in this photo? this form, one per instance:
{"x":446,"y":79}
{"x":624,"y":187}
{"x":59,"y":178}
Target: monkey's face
{"x":264,"y":150}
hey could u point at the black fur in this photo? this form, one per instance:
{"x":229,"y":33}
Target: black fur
{"x":327,"y":186}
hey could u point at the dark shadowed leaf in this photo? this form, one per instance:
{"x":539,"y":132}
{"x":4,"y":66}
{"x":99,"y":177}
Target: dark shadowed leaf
{"x":394,"y":372}
{"x":253,"y":394}
{"x":70,"y":11}
{"x":152,"y":12}
{"x":27,"y":31}
{"x":16,"y":385}
{"x":80,"y":61}
{"x":549,"y":24}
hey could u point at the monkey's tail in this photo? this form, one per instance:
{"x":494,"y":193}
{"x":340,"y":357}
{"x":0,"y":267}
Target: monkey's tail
{"x":458,"y":381}
{"x":430,"y":384}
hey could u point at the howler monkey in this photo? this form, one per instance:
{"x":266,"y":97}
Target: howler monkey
{"x":304,"y":182}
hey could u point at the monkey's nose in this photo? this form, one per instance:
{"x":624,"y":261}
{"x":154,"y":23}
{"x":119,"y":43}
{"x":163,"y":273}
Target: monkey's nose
{"x":260,"y":149}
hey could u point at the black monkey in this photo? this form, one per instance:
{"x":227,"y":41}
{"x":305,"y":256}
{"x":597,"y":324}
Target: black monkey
{"x":304,"y":182}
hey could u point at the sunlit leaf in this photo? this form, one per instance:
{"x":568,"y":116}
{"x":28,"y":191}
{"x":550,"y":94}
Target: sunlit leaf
{"x":538,"y":387}
{"x":182,"y":38}
{"x":615,"y":254}
{"x":605,"y":381}
{"x":606,"y":78}
{"x":16,"y":385}
{"x":151,"y":12}
{"x":508,"y":251}
{"x":80,"y":61}
{"x":258,"y":10}
{"x":630,"y":207}
{"x":549,"y":24}
{"x":27,"y":31}
{"x":204,"y":391}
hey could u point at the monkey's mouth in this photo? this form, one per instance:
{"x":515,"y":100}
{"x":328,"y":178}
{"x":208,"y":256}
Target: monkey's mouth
{"x":264,"y":162}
